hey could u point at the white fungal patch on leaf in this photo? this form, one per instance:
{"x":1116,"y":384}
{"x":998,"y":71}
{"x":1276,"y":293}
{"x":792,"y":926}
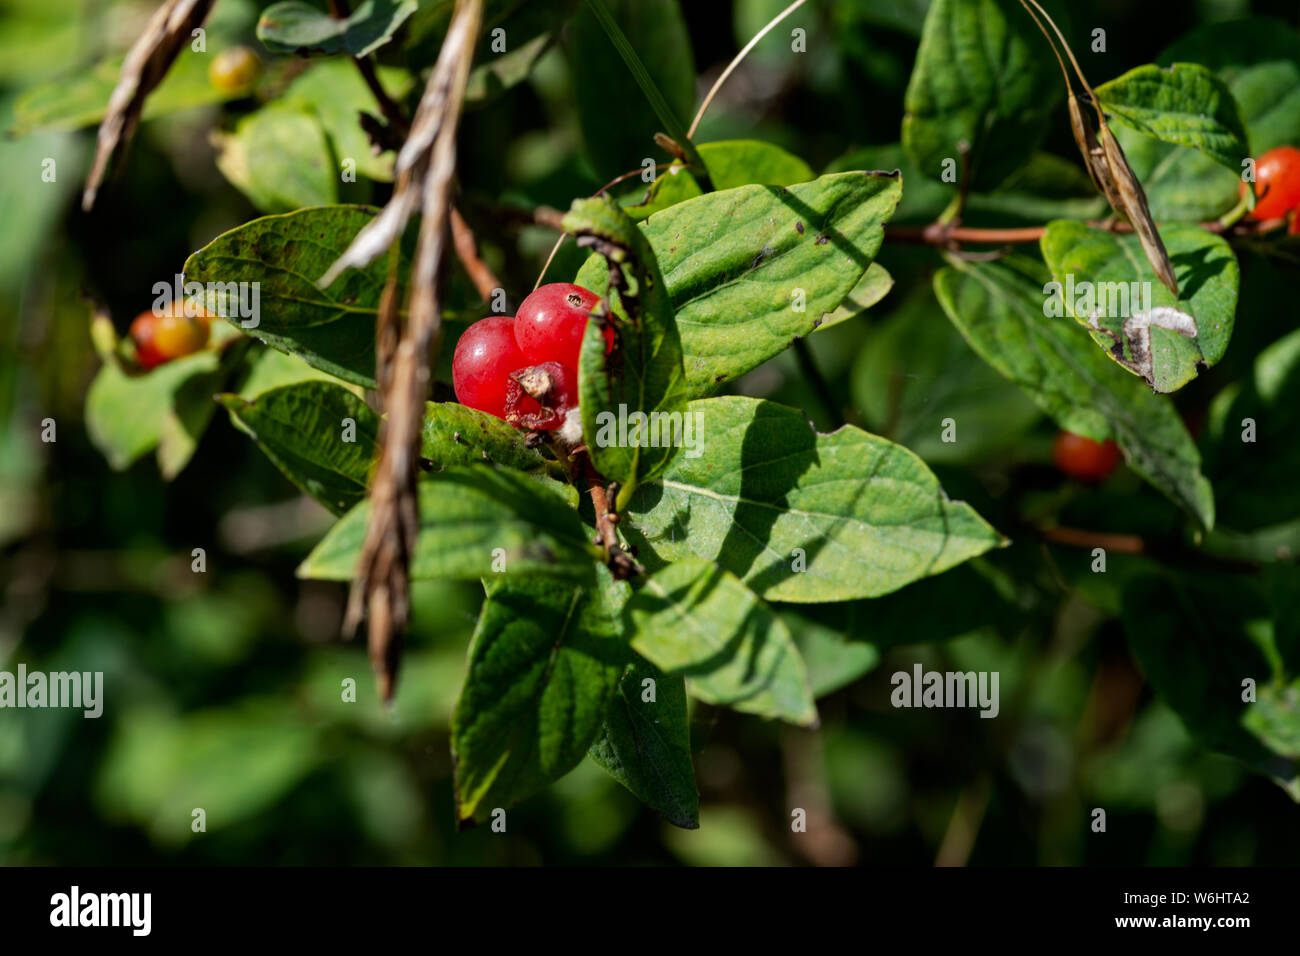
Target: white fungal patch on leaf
{"x":1137,"y":336}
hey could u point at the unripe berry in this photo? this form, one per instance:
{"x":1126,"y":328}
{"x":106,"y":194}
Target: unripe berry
{"x":162,"y":337}
{"x":481,"y":365}
{"x":1083,"y":458}
{"x":1277,"y":183}
{"x":552,"y":322}
{"x":177,"y":335}
{"x":142,"y":329}
{"x":234,"y":70}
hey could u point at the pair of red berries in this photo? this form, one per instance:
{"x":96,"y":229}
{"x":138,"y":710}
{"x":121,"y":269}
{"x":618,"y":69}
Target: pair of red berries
{"x":1277,"y":186}
{"x":524,"y":368}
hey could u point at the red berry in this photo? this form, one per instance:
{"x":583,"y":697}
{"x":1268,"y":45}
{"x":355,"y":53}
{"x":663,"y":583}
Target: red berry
{"x":480,"y":368}
{"x":552,"y":322}
{"x":146,"y":352}
{"x":161,"y":337}
{"x":540,"y":396}
{"x":1083,"y":458}
{"x":1277,"y":183}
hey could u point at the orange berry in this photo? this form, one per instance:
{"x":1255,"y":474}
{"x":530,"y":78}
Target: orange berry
{"x":162,"y":337}
{"x":177,"y":335}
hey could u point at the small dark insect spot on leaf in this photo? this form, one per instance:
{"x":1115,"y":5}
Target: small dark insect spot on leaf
{"x":822,"y":239}
{"x":719,"y":378}
{"x":798,"y":227}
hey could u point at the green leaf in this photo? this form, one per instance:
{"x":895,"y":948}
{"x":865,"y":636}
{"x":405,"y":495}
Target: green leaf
{"x":620,"y":110}
{"x":646,"y":744}
{"x":474,"y":521}
{"x":321,"y":436}
{"x":266,"y":369}
{"x":1221,"y":624}
{"x":335,"y":92}
{"x":871,"y":288}
{"x":1046,"y":187}
{"x":732,"y":163}
{"x":81,"y":100}
{"x":1259,"y":58}
{"x":504,"y":71}
{"x":1186,"y":104}
{"x":834,"y":660}
{"x":972,"y":598}
{"x":127,"y":416}
{"x":297,"y":27}
{"x":694,"y":619}
{"x":331,"y":329}
{"x":644,"y":373}
{"x":768,"y":494}
{"x":1000,"y":312}
{"x":458,"y":435}
{"x":983,"y":76}
{"x":736,"y":261}
{"x":1106,"y":283}
{"x":914,"y":370}
{"x":544,"y":662}
{"x":278,"y":158}
{"x":1252,"y":443}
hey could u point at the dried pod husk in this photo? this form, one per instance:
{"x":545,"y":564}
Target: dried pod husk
{"x":1135,"y":207}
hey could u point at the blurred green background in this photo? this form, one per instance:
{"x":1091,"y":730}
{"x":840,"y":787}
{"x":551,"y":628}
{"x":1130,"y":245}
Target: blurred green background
{"x":223,"y":689}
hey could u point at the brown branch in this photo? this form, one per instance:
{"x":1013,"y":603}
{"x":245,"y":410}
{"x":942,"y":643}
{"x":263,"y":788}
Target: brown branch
{"x":1170,"y":551}
{"x":480,"y":273}
{"x":621,"y":564}
{"x":1077,"y":537}
{"x":942,"y":234}
{"x":406,"y":353}
{"x":145,"y":66}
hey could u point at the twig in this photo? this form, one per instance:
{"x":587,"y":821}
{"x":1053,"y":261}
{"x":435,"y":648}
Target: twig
{"x":480,"y":273}
{"x":943,"y":234}
{"x":731,"y":67}
{"x":964,"y":825}
{"x":554,"y":219}
{"x":621,"y":564}
{"x":405,"y":353}
{"x":1170,"y":551}
{"x":1122,"y":543}
{"x":824,"y":842}
{"x":145,"y":66}
{"x":340,"y":10}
